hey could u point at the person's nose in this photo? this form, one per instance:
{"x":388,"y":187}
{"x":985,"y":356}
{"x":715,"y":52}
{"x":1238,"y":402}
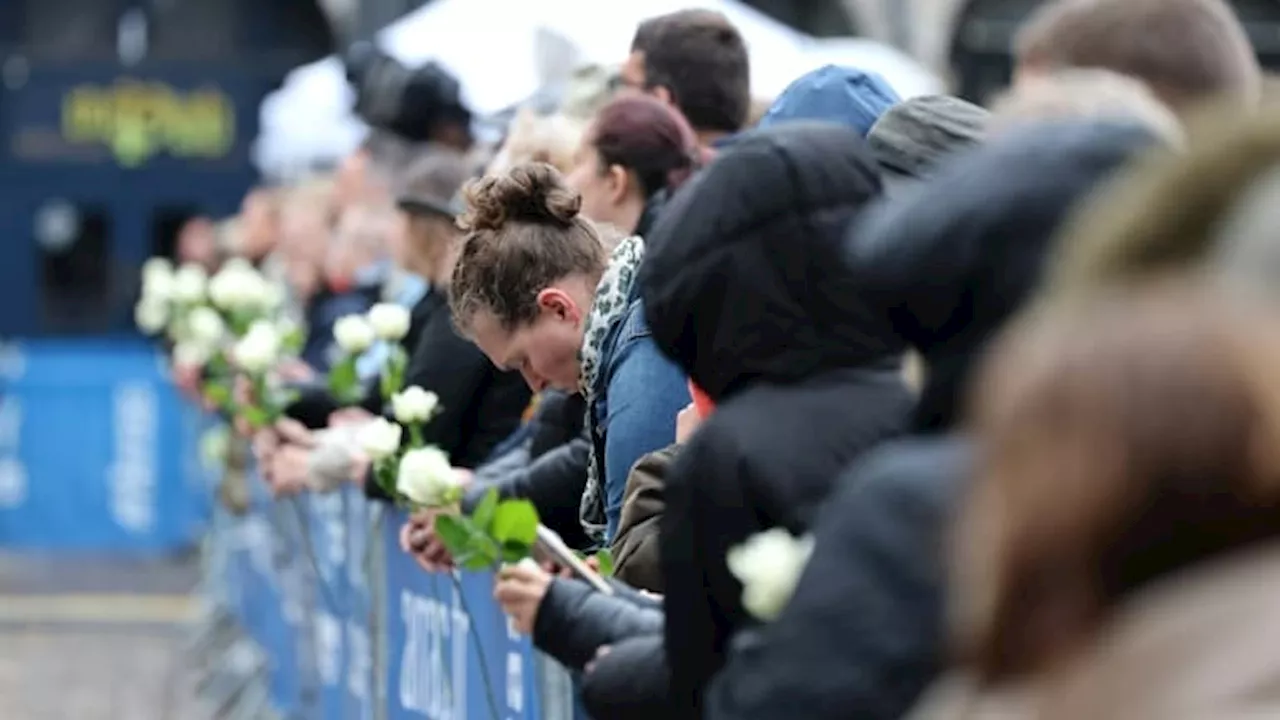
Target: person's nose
{"x":536,"y":382}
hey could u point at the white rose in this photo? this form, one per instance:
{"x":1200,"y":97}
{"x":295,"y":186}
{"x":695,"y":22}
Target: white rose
{"x":238,"y":264}
{"x":273,"y":295}
{"x":379,"y":439}
{"x":151,"y":314}
{"x":205,"y":326}
{"x":238,"y":286}
{"x":157,"y":278}
{"x":427,"y":477}
{"x":189,"y":284}
{"x":769,"y":565}
{"x":389,"y":321}
{"x":353,"y":334}
{"x":414,"y":405}
{"x":259,"y":349}
{"x":189,"y":354}
{"x":287,"y":326}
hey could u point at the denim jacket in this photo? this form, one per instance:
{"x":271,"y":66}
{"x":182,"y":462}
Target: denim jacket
{"x":638,"y":395}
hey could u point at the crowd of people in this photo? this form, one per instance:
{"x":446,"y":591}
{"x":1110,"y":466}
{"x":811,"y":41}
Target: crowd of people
{"x":885,"y":408}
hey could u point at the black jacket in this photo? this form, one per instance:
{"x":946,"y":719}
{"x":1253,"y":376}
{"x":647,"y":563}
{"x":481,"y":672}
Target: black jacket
{"x":587,"y":620}
{"x":862,"y":635}
{"x":555,"y":473}
{"x":744,"y":289}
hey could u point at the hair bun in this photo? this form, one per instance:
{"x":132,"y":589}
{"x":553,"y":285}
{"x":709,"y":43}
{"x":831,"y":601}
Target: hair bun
{"x":530,"y":192}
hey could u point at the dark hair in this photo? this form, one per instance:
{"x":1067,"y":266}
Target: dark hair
{"x":1120,"y":444}
{"x":1187,"y":51}
{"x":646,"y":137}
{"x":701,"y":59}
{"x":523,"y":233}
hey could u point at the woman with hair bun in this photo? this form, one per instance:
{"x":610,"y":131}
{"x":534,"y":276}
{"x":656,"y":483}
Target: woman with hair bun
{"x":536,"y":290}
{"x":635,"y":151}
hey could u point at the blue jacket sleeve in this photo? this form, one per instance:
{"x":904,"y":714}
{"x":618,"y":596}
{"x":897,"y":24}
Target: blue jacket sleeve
{"x":645,"y":393}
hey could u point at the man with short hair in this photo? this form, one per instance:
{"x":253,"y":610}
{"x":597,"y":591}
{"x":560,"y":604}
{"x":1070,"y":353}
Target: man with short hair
{"x":1186,"y":51}
{"x":696,"y":61}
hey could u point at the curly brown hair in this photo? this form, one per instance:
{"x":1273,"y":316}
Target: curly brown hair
{"x":523,"y":233}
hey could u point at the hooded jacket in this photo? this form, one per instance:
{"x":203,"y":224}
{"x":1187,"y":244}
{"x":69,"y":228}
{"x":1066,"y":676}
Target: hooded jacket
{"x":845,"y":96}
{"x":999,"y":211}
{"x":744,"y":290}
{"x":949,"y":263}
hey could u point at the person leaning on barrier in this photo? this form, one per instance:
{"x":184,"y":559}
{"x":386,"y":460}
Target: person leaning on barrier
{"x":862,"y":634}
{"x":1117,"y":550}
{"x":634,"y":152}
{"x":850,"y":365}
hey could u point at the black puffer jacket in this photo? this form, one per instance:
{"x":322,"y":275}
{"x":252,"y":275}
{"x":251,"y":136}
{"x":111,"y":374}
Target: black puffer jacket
{"x":950,"y":263}
{"x":744,"y":289}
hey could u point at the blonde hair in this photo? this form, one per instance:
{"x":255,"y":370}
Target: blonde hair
{"x":590,"y":88}
{"x":230,"y":236}
{"x":1085,"y":93}
{"x":531,"y":137}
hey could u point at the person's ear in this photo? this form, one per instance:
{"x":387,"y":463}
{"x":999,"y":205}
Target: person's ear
{"x":558,"y":304}
{"x":618,"y":181}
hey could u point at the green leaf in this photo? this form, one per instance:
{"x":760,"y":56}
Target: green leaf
{"x":344,"y":382}
{"x":393,"y":373}
{"x":218,"y":365}
{"x":384,"y":474}
{"x":484,"y":512}
{"x":477,"y":562}
{"x":482,"y":545}
{"x":293,"y":341}
{"x":240,"y":322}
{"x":604,"y":560}
{"x":455,"y":534}
{"x":515,"y":521}
{"x":218,"y":393}
{"x":514,"y":552}
{"x":256,"y":416}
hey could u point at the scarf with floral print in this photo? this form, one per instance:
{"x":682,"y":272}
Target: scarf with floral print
{"x":607,"y":309}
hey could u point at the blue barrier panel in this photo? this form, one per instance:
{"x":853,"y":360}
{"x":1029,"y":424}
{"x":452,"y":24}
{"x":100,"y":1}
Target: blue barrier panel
{"x":279,"y":605}
{"x":452,"y":654}
{"x":95,"y":450}
{"x":358,"y":704}
{"x":327,"y":551}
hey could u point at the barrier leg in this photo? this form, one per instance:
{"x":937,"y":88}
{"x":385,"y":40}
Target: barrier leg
{"x":376,"y":573}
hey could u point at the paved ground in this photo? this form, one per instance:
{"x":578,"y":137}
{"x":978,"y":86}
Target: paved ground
{"x":94,"y":639}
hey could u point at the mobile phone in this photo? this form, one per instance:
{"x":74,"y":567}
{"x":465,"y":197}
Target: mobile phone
{"x":550,"y":544}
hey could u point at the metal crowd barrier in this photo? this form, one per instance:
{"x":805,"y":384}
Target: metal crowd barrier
{"x":313,"y":612}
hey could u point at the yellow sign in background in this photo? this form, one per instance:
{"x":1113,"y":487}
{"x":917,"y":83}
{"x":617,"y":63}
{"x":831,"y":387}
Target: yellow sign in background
{"x":139,"y":120}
